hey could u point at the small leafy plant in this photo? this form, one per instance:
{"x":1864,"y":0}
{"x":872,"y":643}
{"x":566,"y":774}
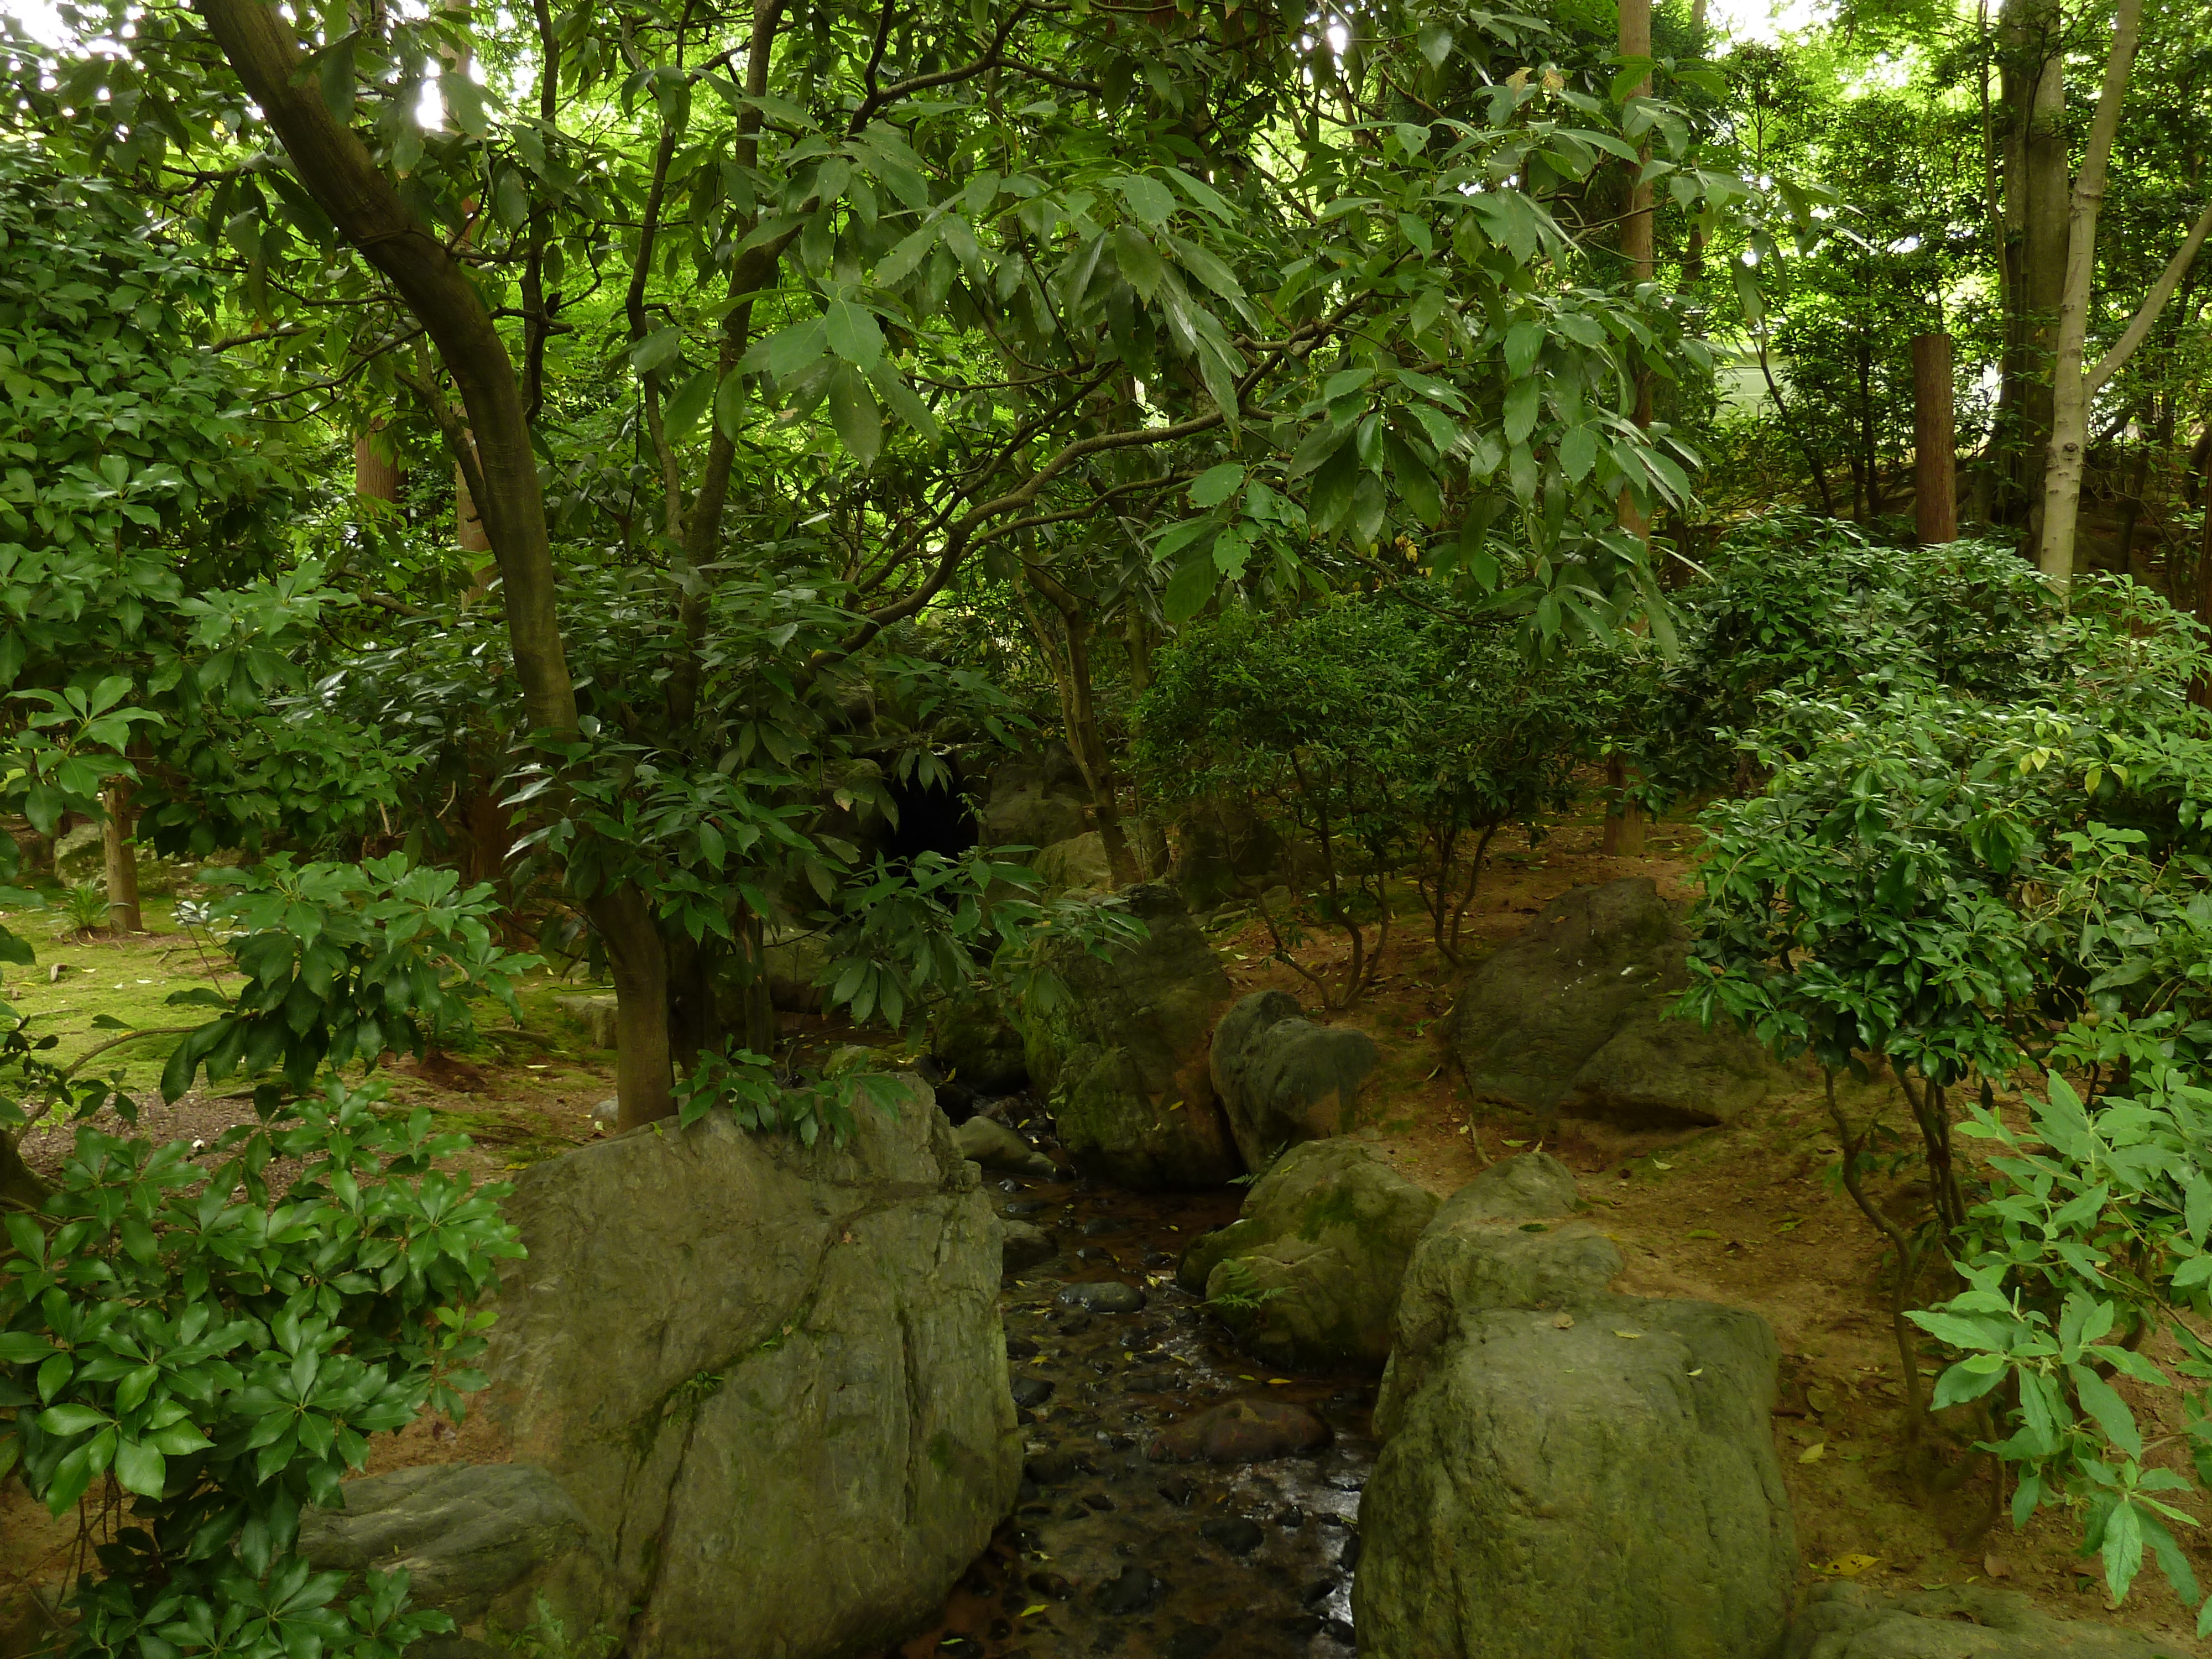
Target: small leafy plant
{"x":199,"y":1355}
{"x":84,"y":908}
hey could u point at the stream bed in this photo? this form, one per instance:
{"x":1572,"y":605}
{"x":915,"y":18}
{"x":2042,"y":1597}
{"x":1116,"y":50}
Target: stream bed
{"x":1110,"y":1551}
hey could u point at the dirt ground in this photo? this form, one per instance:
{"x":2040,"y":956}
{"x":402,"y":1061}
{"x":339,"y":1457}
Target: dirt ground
{"x":1740,"y":1215}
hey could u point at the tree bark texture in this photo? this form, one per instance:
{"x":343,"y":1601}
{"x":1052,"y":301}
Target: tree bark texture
{"x":1934,"y":454}
{"x":119,"y":849}
{"x":2071,"y":388}
{"x":2042,"y":237}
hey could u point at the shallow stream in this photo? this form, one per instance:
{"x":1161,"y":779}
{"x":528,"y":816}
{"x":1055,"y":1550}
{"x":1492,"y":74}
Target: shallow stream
{"x":1108,"y":1551}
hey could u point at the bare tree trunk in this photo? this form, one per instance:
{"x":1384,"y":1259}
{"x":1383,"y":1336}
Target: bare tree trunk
{"x":2042,"y":247}
{"x":2071,"y":390}
{"x":120,"y":849}
{"x":1623,"y":825}
{"x":1935,"y":457}
{"x":373,"y":476}
{"x":498,"y":465}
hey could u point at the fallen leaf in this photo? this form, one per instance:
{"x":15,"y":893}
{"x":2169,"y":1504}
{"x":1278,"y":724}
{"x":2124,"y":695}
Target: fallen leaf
{"x":1660,"y":1164}
{"x":1996,"y":1566}
{"x":1516,"y":1143}
{"x":1632,"y":1336}
{"x":1032,"y":1610}
{"x":1564,"y":1322}
{"x":1813,"y":1453}
{"x":1279,"y":1381}
{"x":1702,"y":1232}
{"x":1846,"y":1566}
{"x":1822,"y":1401}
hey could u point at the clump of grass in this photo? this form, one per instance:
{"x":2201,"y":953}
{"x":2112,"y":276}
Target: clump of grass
{"x":84,"y":908}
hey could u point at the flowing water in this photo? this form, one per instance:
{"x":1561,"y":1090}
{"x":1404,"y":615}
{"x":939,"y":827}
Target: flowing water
{"x":1110,"y":1551}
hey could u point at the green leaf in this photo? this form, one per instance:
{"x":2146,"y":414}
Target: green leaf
{"x":70,"y":1419}
{"x":1138,"y":260}
{"x":906,"y":259}
{"x":657,"y":349}
{"x":903,"y":401}
{"x":853,"y":412}
{"x":2103,"y":1403}
{"x":1148,"y":198}
{"x":24,"y":1347}
{"x":1522,"y":400}
{"x":2123,"y":1548}
{"x":686,"y":408}
{"x":853,"y":333}
{"x":1188,"y":591}
{"x":140,"y":1468}
{"x":1217,"y":484}
{"x":1523,"y":342}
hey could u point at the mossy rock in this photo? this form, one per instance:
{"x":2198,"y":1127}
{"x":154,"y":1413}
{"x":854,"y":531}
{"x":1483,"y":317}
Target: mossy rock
{"x":1308,"y":1277}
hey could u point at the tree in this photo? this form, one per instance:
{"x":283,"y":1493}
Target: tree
{"x":1027,"y":267}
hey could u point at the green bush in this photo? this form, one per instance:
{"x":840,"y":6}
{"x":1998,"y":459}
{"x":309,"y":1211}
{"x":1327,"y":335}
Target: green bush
{"x":1955,"y":887}
{"x":201,"y":1355}
{"x":1383,"y":738}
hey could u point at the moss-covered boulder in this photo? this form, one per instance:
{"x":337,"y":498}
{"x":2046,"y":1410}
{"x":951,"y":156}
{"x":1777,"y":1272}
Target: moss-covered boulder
{"x":1308,"y":1275}
{"x":1564,"y":1470}
{"x":1121,"y":1055}
{"x":1577,"y":1017}
{"x":1282,"y":1078}
{"x":976,"y":1043}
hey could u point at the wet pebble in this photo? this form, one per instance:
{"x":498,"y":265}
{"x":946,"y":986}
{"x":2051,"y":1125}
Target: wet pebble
{"x":1178,"y":1490}
{"x":1104,"y":1296}
{"x":1100,"y":1501}
{"x":1159,"y":1259}
{"x":1317,"y":1592}
{"x":1339,"y":1630}
{"x":1131,"y":1590}
{"x":1102,"y":1226}
{"x":1020,"y":1347}
{"x":1232,"y":1533}
{"x":1022,"y":1206}
{"x":1050,"y":1585}
{"x":1029,"y":1392}
{"x":1291,"y":1518}
{"x":1350,"y":1557}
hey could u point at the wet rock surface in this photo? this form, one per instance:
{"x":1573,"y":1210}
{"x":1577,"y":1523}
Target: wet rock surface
{"x":1112,"y":1549}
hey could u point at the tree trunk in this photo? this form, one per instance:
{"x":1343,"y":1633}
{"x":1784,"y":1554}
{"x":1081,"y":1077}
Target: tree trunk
{"x":373,"y":476}
{"x":1934,"y":458}
{"x":120,"y":848}
{"x":1623,"y":835}
{"x":2200,"y":688}
{"x":19,"y":1188}
{"x":337,"y":171}
{"x":1080,"y":713}
{"x":2043,"y":241}
{"x":2071,"y":389}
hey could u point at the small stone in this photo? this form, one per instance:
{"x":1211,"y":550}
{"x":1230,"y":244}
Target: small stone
{"x":1349,"y":1558}
{"x":1317,"y":1592}
{"x":608,"y":1112}
{"x":1031,"y":1392}
{"x":1339,"y":1630}
{"x":1022,"y":1206}
{"x":1020,"y":1347}
{"x":1291,"y":1518}
{"x":1178,"y":1490}
{"x":1241,"y":1432}
{"x":1022,"y":1246}
{"x":1133,"y":1590}
{"x":1104,"y":1296}
{"x":1050,"y":1585}
{"x":1099,"y":1501}
{"x":1233,"y":1533}
{"x":1099,"y":1227}
{"x":1159,"y":1259}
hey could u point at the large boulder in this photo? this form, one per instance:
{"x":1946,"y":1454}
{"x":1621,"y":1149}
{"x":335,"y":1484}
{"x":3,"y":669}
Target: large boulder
{"x":1577,"y":1016}
{"x":729,"y":1346}
{"x":1568,"y":1471}
{"x":1282,"y":1078}
{"x":1957,"y":1621}
{"x":1224,"y":850}
{"x":483,"y":1542}
{"x":1078,"y":863}
{"x":1034,"y":801}
{"x":1120,"y":1051}
{"x":1308,"y":1275}
{"x":977,"y":1046}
